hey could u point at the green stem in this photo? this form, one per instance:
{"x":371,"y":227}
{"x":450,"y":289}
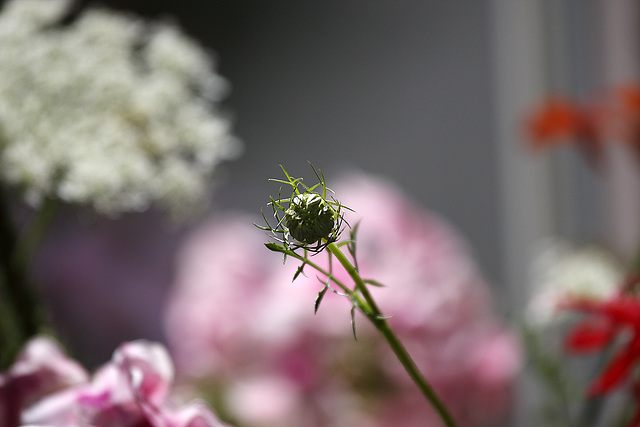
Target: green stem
{"x":19,"y":293}
{"x":11,"y":332}
{"x":354,"y":296}
{"x":374,"y":314}
{"x":28,"y":244}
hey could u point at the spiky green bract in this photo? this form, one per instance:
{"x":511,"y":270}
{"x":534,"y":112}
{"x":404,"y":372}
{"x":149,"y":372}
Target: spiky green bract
{"x":306,"y":218}
{"x":309,"y":218}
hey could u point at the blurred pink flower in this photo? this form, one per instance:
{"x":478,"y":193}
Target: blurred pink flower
{"x":131,"y":390}
{"x":237,"y":325}
{"x":40,"y":369}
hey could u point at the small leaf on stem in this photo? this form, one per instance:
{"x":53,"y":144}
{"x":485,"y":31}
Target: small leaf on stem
{"x":374,"y":283}
{"x":353,"y":322}
{"x":319,"y":299}
{"x":352,"y":244}
{"x":275,"y":247}
{"x":298,"y":272}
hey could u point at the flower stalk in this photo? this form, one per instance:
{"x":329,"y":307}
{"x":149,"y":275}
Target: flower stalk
{"x":21,"y":302}
{"x":309,"y":222}
{"x":382,"y":325}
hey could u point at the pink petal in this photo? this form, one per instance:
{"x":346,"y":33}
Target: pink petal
{"x":147,"y":367}
{"x":41,"y":368}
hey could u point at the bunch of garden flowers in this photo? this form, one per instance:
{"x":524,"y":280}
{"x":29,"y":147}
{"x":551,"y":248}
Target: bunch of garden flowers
{"x":246,"y":337}
{"x":45,"y":387}
{"x":591,"y":298}
{"x":610,"y":323}
{"x":598,"y":311}
{"x":105,"y":109}
{"x":102,"y":110}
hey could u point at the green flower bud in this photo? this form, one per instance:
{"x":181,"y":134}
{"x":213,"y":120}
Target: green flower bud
{"x":309,"y":218}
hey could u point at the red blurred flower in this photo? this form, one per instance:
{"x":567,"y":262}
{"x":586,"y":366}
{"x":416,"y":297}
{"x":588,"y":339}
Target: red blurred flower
{"x":625,"y":111}
{"x":613,"y":115}
{"x":563,"y":121}
{"x":624,"y":116}
{"x":556,"y":120}
{"x":608,"y":320}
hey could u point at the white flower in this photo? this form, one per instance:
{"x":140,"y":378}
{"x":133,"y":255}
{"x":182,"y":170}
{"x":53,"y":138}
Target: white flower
{"x":107,"y":110}
{"x":561,"y":271}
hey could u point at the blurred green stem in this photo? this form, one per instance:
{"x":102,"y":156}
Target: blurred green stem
{"x":362,"y":299}
{"x":374,"y":314}
{"x":20,"y":296}
{"x":28,"y":244}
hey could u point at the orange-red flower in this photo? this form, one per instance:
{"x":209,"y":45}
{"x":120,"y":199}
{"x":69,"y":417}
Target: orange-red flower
{"x":562,"y":121}
{"x":613,"y":115}
{"x":556,"y":120}
{"x":623,"y":123}
{"x":625,"y":110}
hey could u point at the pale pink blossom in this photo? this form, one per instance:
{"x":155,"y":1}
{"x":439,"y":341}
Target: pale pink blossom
{"x":236,"y":320}
{"x":439,"y":302}
{"x":224,"y":307}
{"x":40,"y":369}
{"x":132,"y":389}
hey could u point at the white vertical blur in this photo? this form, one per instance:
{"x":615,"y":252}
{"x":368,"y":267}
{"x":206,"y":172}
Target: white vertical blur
{"x":526,"y":194}
{"x":520,"y":78}
{"x":621,"y":62}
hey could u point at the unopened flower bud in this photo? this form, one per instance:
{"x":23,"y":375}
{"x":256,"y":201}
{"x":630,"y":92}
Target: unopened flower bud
{"x":309,"y":218}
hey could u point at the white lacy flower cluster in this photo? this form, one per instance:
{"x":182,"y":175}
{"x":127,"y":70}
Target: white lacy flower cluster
{"x":560,"y":271}
{"x":106,"y":110}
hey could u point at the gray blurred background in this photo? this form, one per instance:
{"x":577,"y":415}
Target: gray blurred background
{"x":430,"y":94}
{"x":399,"y":89}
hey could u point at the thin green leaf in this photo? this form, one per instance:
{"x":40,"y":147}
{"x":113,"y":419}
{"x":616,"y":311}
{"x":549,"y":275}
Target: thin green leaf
{"x":265,"y":219}
{"x":281,"y":181}
{"x":374,"y":283}
{"x":319,"y":299}
{"x":293,"y":182}
{"x":353,"y":322}
{"x":320,"y":177}
{"x":340,"y":206}
{"x":275,"y":247}
{"x":311,"y":189}
{"x":354,"y":230}
{"x":299,"y":271}
{"x":352,"y":244}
